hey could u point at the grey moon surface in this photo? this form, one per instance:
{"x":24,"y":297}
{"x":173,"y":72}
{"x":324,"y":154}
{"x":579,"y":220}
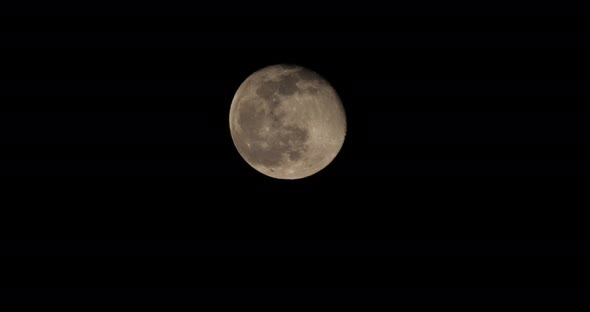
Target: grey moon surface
{"x":287,"y":122}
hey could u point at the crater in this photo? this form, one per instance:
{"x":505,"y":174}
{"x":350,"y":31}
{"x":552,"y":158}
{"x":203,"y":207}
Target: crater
{"x":287,"y":142}
{"x":267,"y":89}
{"x":311,"y":90}
{"x":250,"y":117}
{"x":295,"y":155}
{"x":294,"y":138}
{"x":288,"y":84}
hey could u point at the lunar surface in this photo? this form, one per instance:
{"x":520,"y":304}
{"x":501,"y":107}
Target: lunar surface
{"x":287,"y":122}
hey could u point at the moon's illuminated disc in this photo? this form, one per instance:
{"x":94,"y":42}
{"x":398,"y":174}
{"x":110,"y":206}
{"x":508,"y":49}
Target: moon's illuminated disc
{"x":287,"y":122}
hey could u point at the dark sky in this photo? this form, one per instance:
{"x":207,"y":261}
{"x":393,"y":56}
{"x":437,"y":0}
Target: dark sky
{"x":461,"y":177}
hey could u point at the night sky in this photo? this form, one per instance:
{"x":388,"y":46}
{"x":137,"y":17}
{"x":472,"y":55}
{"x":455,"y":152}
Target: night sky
{"x":462,"y":176}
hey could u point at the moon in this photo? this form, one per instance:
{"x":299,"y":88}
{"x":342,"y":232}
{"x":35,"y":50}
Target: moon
{"x":287,"y":122}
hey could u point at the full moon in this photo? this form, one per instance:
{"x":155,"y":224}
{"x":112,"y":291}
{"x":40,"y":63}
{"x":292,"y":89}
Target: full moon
{"x":287,"y":122}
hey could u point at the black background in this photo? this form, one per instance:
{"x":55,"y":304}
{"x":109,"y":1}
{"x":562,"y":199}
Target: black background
{"x":463,"y":177}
